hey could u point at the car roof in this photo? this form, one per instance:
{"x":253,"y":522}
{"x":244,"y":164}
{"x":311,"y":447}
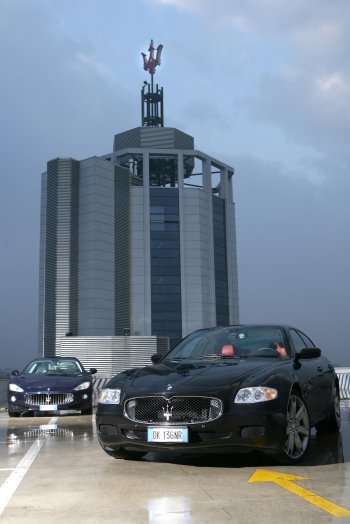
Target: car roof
{"x":283,"y":326}
{"x":39,"y":359}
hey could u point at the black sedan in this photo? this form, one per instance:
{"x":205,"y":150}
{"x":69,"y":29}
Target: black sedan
{"x":50,"y":385}
{"x":236,"y":388}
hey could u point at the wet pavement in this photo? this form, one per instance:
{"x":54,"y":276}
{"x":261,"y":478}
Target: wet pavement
{"x":52,"y":469}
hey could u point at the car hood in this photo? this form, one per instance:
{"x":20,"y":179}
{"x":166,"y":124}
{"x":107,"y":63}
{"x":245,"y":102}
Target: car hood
{"x":43,"y":382}
{"x":194,"y":375}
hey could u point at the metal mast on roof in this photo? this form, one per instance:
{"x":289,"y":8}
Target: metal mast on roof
{"x":152,"y":99}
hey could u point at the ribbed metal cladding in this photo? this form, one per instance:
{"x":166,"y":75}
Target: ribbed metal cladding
{"x":74,"y":249}
{"x":127,"y":139}
{"x":48,"y":270}
{"x":59,"y":252}
{"x":42,"y":262}
{"x":67,"y":231}
{"x":153,"y":137}
{"x":110,"y":355}
{"x":160,"y":138}
{"x":122,"y":215}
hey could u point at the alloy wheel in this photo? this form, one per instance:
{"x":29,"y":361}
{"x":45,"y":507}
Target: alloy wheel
{"x":298,"y":428}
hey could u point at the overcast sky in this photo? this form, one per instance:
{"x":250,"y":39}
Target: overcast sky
{"x":263,"y":85}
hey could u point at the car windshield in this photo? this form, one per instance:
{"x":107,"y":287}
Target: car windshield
{"x":232,"y":342}
{"x":54,"y":367}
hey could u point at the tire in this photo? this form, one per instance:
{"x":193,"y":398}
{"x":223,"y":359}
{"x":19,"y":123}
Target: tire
{"x":332,"y":422}
{"x":14,"y":414}
{"x":297,"y":430}
{"x":124,"y":454}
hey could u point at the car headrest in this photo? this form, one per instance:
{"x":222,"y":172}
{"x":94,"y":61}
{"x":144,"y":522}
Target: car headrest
{"x":227,"y":350}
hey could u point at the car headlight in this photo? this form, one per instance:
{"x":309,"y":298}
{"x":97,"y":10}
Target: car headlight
{"x":14,"y":387}
{"x":256,"y":394}
{"x":109,"y":396}
{"x":84,"y":385}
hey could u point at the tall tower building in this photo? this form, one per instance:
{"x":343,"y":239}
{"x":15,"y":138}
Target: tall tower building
{"x":138,"y":242}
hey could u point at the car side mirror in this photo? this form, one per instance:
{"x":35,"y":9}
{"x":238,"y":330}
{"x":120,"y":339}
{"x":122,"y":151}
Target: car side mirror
{"x":307,"y":353}
{"x":93,"y":371}
{"x":15,"y":373}
{"x":156,"y":358}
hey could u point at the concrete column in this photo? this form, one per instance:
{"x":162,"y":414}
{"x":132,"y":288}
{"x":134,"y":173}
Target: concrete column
{"x":147,"y":246}
{"x":180,"y":173}
{"x":211,"y":281}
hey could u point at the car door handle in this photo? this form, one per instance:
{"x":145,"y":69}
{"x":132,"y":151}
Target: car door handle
{"x":319,"y":368}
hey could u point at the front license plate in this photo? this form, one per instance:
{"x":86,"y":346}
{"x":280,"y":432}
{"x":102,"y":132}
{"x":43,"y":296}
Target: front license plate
{"x":48,"y":407}
{"x":159,"y":434}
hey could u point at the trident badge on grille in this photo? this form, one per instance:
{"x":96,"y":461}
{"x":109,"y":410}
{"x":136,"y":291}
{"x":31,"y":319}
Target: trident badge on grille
{"x":168,"y":412}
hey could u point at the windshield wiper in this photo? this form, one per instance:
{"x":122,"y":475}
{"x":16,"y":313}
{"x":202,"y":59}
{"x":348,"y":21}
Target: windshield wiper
{"x":173,"y":359}
{"x":203,"y":357}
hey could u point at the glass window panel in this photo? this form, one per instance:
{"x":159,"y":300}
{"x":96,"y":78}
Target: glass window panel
{"x":165,"y":253}
{"x":166,"y":244}
{"x":166,"y":288}
{"x":158,"y":270}
{"x":169,"y":235}
{"x":167,"y":325}
{"x":159,"y":307}
{"x":307,"y":341}
{"x":169,"y":316}
{"x":299,"y":344}
{"x":163,"y":298}
{"x":166,"y":279}
{"x":164,"y":218}
{"x":165,"y":262}
{"x":164,"y":226}
{"x":221,"y":275}
{"x":157,"y":209}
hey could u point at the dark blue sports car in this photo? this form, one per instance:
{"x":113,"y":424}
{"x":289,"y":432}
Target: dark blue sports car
{"x":236,"y":388}
{"x":50,"y":385}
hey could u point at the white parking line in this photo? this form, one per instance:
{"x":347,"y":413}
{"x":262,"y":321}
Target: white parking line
{"x":12,"y":482}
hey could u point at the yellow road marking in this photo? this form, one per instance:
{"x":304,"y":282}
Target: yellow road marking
{"x":285,"y":481}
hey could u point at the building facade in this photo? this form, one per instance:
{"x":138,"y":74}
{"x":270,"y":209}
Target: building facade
{"x":138,"y":242}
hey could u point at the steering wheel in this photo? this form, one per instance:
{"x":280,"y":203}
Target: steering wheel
{"x":274,"y":351}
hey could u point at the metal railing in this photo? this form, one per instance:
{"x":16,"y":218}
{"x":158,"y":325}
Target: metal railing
{"x":344,"y":382}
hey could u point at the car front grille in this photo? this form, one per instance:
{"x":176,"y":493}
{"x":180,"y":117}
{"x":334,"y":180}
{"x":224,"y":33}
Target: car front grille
{"x":174,"y":410}
{"x":48,"y":399}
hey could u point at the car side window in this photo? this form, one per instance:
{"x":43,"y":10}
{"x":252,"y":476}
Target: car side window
{"x":308,"y":342}
{"x":298,"y":342}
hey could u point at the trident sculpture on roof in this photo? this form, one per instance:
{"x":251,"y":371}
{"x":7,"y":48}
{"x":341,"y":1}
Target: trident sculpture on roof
{"x":152,"y":99}
{"x":151,"y":64}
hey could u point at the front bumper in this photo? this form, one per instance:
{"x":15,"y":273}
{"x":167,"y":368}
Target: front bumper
{"x":82,"y":400}
{"x":244,"y":429}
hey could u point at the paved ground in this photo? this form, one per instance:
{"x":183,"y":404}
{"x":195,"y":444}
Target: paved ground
{"x":52,"y":470}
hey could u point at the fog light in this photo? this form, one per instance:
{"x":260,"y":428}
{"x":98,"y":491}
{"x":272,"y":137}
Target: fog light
{"x":13,"y":398}
{"x":85,"y":396}
{"x":252,"y":431}
{"x":130,"y":434}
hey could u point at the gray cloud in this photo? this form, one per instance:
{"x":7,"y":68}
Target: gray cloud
{"x":293,"y":252}
{"x":237,"y":75}
{"x":54,"y":98}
